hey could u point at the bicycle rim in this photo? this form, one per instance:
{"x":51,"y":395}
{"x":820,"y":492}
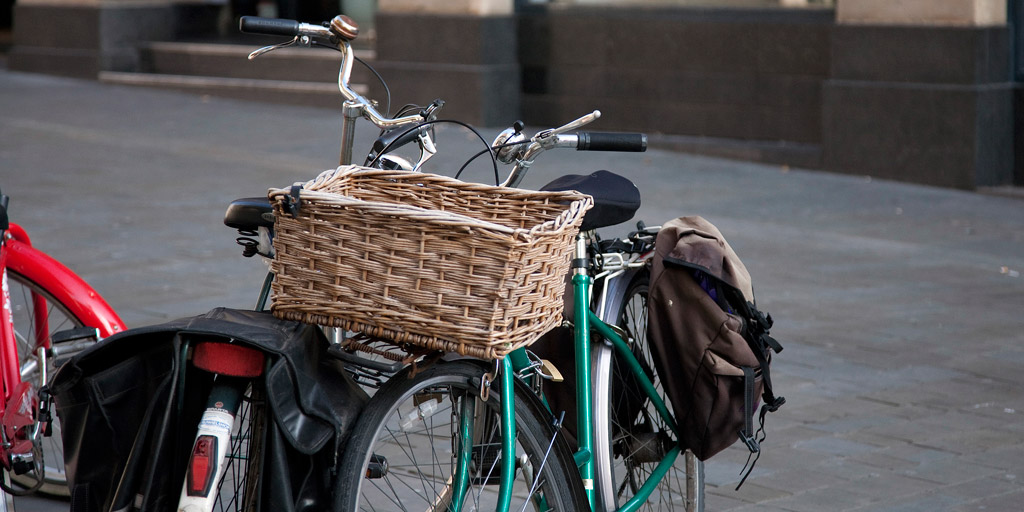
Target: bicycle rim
{"x":639,"y":436}
{"x":59,"y":318}
{"x":401,"y":455}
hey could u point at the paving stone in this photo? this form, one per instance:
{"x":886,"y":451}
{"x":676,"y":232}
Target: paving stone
{"x":1008,"y":502}
{"x":950,"y":471}
{"x":835,"y":446}
{"x":925,"y":503}
{"x":832,"y":499}
{"x":795,"y":481}
{"x":926,"y":397}
{"x":761,"y":507}
{"x":920,"y":454}
{"x":720,"y":473}
{"x":720,"y":499}
{"x":848,"y":469}
{"x":822,"y":409}
{"x":904,"y":410}
{"x":1004,"y":371}
{"x":1010,"y":459}
{"x":883,"y":461}
{"x":1016,"y":428}
{"x":891,"y":485}
{"x":976,"y":390}
{"x":870,"y":437}
{"x":792,"y":435}
{"x":755,"y":493}
{"x":970,"y":441}
{"x":775,"y":458}
{"x":982,"y":488}
{"x":961,"y":420}
{"x":853,"y":423}
{"x":1010,"y":410}
{"x":911,"y":431}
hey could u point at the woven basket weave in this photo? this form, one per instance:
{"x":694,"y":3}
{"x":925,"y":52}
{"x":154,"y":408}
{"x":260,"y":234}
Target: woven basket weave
{"x":424,"y":259}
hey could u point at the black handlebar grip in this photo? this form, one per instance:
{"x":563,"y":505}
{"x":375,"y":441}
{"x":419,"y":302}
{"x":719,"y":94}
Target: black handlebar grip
{"x":268,"y":26}
{"x":597,"y":141}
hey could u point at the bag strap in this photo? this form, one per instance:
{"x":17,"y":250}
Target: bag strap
{"x":757,"y":338}
{"x":747,"y":434}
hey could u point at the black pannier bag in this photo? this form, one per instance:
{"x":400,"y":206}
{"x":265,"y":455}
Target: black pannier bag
{"x":129,"y":409}
{"x":710,"y":343}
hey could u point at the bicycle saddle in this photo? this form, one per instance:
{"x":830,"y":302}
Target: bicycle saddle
{"x":616,"y":198}
{"x":249,"y":213}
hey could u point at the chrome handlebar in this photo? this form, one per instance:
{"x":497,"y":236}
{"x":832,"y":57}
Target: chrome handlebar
{"x":544,"y":140}
{"x":340,"y":32}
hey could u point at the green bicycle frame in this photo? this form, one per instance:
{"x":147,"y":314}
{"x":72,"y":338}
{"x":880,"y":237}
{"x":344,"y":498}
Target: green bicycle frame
{"x":584,"y":322}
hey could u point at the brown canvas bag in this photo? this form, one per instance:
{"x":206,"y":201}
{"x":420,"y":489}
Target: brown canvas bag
{"x":710,"y":343}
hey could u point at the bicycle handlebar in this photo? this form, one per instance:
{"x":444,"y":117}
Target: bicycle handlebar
{"x":628,"y":142}
{"x":581,"y":141}
{"x":281,"y":27}
{"x":341,"y":31}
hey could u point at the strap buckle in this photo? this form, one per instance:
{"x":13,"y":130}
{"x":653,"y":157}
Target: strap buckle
{"x":292,"y":201}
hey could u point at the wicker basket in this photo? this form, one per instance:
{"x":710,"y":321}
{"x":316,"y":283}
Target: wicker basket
{"x":425,"y":260}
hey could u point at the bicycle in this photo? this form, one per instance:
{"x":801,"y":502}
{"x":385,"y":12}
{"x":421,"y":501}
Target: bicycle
{"x":614,"y":447}
{"x":629,"y":429}
{"x":48,"y":314}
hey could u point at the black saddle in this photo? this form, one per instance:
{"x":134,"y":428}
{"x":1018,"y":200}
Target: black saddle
{"x":616,"y":198}
{"x":249,"y":213}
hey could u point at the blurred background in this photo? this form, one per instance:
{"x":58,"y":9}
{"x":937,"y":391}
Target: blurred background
{"x":924,"y":91}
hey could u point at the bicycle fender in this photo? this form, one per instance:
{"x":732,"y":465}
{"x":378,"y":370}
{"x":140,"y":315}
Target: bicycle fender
{"x":65,"y":286}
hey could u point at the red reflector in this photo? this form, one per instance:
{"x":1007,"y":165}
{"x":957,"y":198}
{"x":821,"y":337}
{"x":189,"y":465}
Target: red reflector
{"x":202,"y":466}
{"x":227,"y":359}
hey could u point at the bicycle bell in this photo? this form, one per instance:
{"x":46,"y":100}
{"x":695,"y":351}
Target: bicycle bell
{"x":513,"y":136}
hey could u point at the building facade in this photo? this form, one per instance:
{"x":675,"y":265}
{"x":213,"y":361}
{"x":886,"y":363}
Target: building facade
{"x":925,"y":91}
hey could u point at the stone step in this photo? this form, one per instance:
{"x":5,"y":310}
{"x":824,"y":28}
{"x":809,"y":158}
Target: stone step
{"x":229,"y":60}
{"x":292,"y":92}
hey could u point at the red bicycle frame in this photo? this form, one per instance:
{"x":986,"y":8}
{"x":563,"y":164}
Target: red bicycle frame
{"x":17,"y":254}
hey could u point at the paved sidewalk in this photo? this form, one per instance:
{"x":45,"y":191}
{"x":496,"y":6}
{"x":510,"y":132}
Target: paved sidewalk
{"x":901,"y":307}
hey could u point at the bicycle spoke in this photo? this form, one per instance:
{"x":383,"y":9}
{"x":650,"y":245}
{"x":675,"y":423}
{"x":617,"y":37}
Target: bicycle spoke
{"x":638,"y":431}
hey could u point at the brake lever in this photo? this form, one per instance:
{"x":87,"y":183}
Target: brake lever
{"x":430,"y":113}
{"x":427,"y":150}
{"x":579,"y":123}
{"x":297,"y":40}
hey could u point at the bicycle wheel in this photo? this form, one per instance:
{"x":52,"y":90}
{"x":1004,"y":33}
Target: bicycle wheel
{"x":26,"y":317}
{"x":638,"y":437}
{"x":401,"y":454}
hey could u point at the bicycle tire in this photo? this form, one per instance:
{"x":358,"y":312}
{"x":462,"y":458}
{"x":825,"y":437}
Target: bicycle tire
{"x":638,"y":435}
{"x":59,"y":317}
{"x":406,"y":407}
